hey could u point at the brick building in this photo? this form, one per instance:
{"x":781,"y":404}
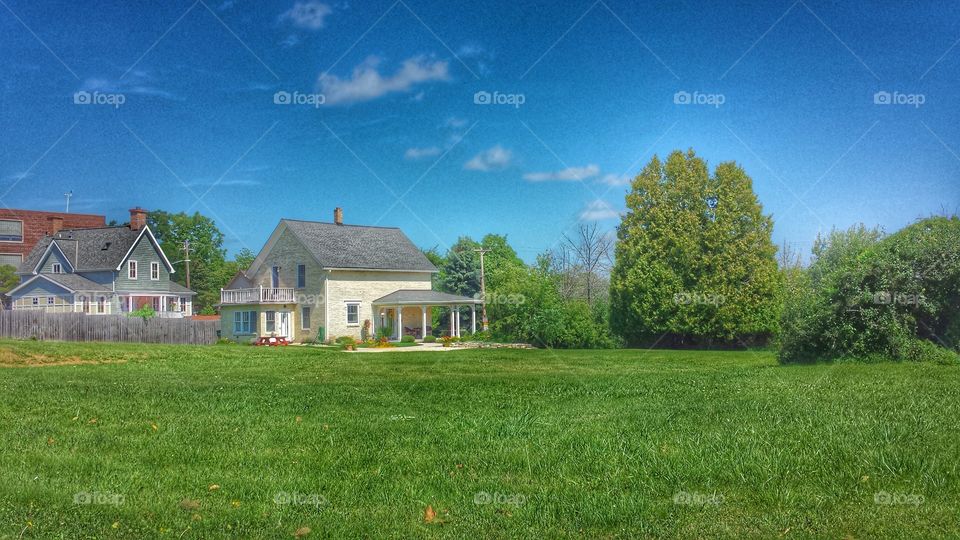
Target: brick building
{"x":20,"y":230}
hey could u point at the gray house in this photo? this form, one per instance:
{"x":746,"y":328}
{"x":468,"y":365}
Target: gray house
{"x":99,"y":271}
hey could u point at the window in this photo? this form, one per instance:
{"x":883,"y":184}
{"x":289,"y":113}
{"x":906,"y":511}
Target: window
{"x":353,"y":313}
{"x":49,"y":300}
{"x":57,"y":269}
{"x":183,"y":305}
{"x":12,"y":259}
{"x":301,"y":276}
{"x":11,"y":230}
{"x":156,"y":303}
{"x":271,"y":321}
{"x":101,"y":305}
{"x":305,"y":318}
{"x":36,"y":300}
{"x":244,"y":322}
{"x":85,"y":304}
{"x":275,"y":277}
{"x":132,"y":269}
{"x":154,"y":271}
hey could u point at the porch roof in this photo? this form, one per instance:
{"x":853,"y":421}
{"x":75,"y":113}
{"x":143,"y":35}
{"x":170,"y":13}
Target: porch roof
{"x":423,"y":297}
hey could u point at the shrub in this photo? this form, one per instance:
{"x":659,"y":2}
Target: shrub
{"x":429,"y":339}
{"x":865,"y":296}
{"x":346,"y":340}
{"x":407,"y":339}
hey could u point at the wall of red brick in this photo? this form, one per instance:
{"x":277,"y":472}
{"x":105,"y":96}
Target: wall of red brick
{"x":36,"y":225}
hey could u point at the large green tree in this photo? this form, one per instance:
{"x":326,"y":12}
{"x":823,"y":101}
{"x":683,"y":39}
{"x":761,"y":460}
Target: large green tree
{"x":208,"y":269}
{"x":694,"y":259}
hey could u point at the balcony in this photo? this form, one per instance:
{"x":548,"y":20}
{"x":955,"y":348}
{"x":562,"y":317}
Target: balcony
{"x":258,"y":295}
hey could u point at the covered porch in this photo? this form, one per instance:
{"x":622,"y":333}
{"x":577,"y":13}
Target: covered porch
{"x":410,"y":313}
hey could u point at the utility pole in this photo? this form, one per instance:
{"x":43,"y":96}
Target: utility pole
{"x":483,"y":289}
{"x":68,"y":195}
{"x":186,"y":259}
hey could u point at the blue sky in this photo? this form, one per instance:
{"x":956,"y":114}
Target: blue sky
{"x":184,"y":112}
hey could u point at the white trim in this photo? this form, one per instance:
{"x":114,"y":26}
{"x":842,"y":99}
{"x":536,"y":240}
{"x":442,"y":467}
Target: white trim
{"x":132,"y":264}
{"x":146,"y":230}
{"x":346,"y":311}
{"x":154,"y":264}
{"x":46,"y":255}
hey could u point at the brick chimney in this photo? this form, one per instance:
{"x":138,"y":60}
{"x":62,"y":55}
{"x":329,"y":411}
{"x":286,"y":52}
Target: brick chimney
{"x":138,"y":218}
{"x":54,"y":224}
{"x":338,"y":215}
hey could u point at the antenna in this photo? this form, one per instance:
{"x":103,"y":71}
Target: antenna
{"x":68,"y":195}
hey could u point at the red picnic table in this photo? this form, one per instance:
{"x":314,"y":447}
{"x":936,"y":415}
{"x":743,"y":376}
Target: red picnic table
{"x":272,"y":341}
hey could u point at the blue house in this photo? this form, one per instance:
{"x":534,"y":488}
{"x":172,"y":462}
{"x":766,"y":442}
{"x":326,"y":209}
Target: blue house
{"x":100,"y":271}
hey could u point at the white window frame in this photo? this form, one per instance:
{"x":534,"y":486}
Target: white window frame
{"x":50,"y":301}
{"x":57,"y":268}
{"x":347,"y":312}
{"x":102,"y":304}
{"x":132,"y":269}
{"x":154,"y":268}
{"x":301,"y":272}
{"x":21,"y":231}
{"x":270,"y":322}
{"x":305,"y":318}
{"x":36,"y":301}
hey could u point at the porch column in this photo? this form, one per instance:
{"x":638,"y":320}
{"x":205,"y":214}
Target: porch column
{"x":473,"y":318}
{"x":456,"y":319}
{"x":423,"y":322}
{"x":399,"y":322}
{"x":453,"y":331}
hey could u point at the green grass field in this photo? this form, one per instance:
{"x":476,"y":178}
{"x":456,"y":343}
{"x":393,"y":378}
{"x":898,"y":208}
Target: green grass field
{"x":111,"y":441}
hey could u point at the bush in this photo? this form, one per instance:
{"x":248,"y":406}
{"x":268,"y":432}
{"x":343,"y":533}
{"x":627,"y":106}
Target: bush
{"x":408,"y":339}
{"x":430,"y":339}
{"x":865,"y":296}
{"x":346,"y":340}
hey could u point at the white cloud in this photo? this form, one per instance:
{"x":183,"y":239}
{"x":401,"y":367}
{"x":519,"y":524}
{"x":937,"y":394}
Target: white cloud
{"x":366,"y":82}
{"x":308,"y":15}
{"x":420,"y":153}
{"x":615,"y":180}
{"x":290,"y":41}
{"x":570,"y":173}
{"x":454,"y":122}
{"x":598,"y":210}
{"x":136,"y":82}
{"x":496,"y":158}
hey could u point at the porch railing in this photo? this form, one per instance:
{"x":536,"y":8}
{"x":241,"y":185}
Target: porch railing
{"x":258,"y":294}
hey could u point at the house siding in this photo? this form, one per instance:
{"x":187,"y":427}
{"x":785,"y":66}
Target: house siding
{"x":365,"y":286}
{"x":144,"y":253}
{"x":54,"y":257}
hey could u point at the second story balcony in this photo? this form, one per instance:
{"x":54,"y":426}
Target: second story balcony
{"x":258,"y":295}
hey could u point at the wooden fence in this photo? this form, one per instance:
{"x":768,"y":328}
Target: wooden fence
{"x":34,"y":324}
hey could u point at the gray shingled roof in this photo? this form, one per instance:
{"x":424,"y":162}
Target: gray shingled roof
{"x":410,"y":296}
{"x":75,"y":282}
{"x":356,"y":246}
{"x":98,"y":249}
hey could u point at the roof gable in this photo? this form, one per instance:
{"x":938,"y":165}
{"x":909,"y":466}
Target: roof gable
{"x":146,"y":232}
{"x":90,"y":250}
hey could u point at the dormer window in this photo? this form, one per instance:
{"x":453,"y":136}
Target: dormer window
{"x":57,"y":268}
{"x":132,"y":269}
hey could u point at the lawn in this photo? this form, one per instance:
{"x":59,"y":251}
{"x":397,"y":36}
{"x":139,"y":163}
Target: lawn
{"x":109,"y":441}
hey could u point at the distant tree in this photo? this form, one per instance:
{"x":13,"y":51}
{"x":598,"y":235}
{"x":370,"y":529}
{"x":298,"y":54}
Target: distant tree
{"x":589,"y":248}
{"x":694,"y":261}
{"x":460,"y":273}
{"x":8,"y":280}
{"x":244,"y":258}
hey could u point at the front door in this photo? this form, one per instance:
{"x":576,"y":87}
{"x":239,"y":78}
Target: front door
{"x":283,"y":324}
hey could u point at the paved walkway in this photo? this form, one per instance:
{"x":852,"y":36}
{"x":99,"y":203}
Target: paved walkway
{"x":423,"y":347}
